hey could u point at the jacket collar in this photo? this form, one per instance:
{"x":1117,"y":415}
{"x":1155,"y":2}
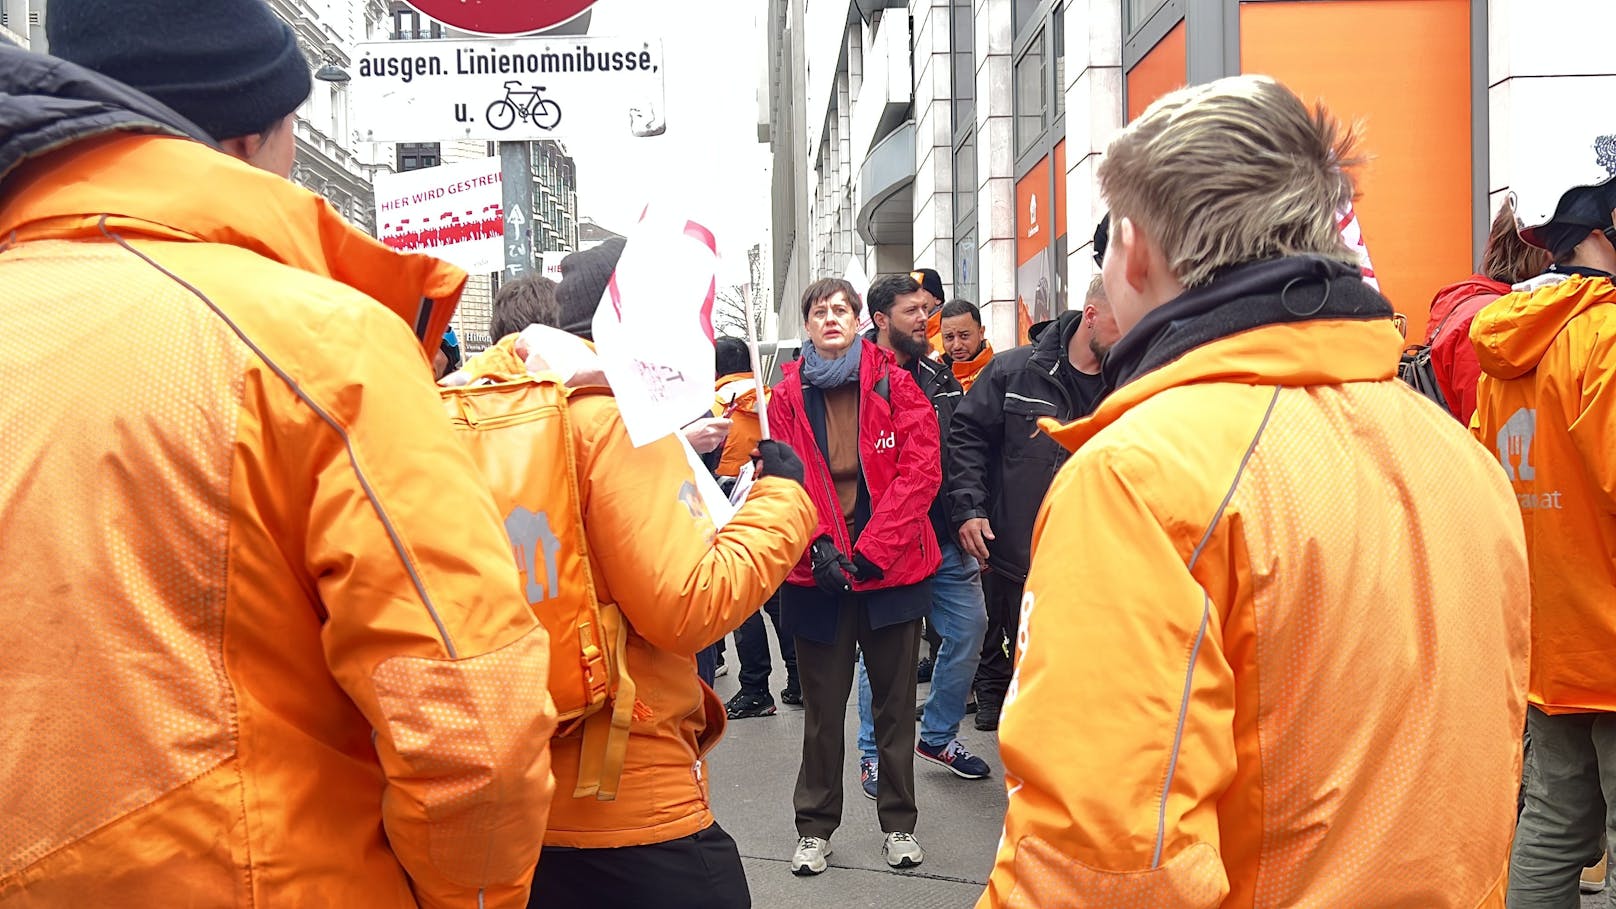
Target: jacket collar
{"x":1270,"y":323}
{"x":91,"y":161}
{"x":1273,"y":291}
{"x":47,"y":103}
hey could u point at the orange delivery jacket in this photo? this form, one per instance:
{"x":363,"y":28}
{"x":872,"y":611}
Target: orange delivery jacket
{"x":681,"y":584}
{"x":265,"y":640}
{"x":1546,"y":408}
{"x":1276,"y":598}
{"x":736,"y":396}
{"x":965,"y":370}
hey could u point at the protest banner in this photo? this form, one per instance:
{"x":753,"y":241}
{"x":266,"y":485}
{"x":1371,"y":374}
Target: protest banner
{"x":451,"y":211}
{"x":654,"y":330}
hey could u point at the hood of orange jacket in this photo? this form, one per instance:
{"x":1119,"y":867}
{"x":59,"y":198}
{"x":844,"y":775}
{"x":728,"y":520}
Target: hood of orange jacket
{"x":738,"y":389}
{"x":934,"y":334}
{"x":1514,"y":332}
{"x":1546,"y":409}
{"x":88,"y":156}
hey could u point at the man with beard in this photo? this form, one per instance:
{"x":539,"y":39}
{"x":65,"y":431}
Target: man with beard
{"x":1003,"y":465}
{"x":898,"y":308}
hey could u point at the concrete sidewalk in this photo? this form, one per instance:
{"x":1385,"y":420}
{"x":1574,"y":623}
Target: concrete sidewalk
{"x":754,"y":769}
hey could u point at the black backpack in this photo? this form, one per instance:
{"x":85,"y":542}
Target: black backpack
{"x":1415,"y":366}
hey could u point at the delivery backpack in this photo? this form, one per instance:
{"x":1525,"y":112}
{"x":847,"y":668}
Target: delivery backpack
{"x":516,"y":428}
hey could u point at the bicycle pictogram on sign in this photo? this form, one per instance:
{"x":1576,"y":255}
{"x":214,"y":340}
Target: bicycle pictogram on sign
{"x":523,"y":101}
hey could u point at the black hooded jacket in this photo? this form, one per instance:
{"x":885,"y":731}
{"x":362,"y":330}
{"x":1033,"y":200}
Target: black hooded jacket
{"x":1001,"y":464}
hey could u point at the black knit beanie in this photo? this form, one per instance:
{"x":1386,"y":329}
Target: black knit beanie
{"x":583,"y":281}
{"x":229,"y":66}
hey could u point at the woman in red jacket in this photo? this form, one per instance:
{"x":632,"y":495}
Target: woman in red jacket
{"x":869,"y":438}
{"x":1507,"y":260}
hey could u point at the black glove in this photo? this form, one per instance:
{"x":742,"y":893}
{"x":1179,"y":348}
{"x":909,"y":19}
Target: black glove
{"x":776,"y":459}
{"x":866,"y":570}
{"x":831,"y":568}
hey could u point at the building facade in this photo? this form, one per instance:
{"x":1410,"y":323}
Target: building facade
{"x":964,"y":135}
{"x":22,"y":22}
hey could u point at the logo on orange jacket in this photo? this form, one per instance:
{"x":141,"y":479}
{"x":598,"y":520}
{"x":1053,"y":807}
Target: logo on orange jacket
{"x":1514,"y":445}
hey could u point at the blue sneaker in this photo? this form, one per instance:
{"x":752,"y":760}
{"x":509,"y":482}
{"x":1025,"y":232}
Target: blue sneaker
{"x":954,"y":756}
{"x":867,"y":777}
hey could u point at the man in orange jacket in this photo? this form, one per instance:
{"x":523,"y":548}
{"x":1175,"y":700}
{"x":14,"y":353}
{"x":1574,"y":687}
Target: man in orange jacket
{"x":1546,"y":407}
{"x":1244,"y":692}
{"x":682,"y":584}
{"x":965,"y":341}
{"x":266,"y":643}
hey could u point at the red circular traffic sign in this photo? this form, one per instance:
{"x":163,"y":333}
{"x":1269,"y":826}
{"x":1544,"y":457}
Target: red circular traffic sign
{"x":502,"y":17}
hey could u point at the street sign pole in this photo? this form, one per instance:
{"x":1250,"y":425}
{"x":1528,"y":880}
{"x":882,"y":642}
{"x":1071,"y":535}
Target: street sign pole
{"x":516,"y":180}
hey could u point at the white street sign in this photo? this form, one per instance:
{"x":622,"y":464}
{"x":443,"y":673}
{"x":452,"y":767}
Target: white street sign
{"x":515,"y":90}
{"x":451,"y":211}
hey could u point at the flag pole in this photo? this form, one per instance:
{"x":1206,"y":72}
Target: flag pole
{"x":757,"y":372}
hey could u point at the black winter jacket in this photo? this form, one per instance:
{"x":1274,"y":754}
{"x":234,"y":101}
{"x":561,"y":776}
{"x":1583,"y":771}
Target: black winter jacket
{"x":1002,"y":464}
{"x":938,"y":383}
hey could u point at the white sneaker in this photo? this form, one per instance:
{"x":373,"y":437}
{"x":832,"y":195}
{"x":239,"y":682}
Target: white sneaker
{"x":902,"y":851}
{"x":810,"y":856}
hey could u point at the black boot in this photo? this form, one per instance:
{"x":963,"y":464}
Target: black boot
{"x":987,"y":714}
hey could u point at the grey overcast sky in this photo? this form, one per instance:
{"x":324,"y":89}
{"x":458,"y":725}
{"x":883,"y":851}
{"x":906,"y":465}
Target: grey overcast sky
{"x":709,"y":162}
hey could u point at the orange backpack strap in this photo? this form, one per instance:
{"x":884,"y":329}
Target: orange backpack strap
{"x":605,"y":744}
{"x":604,"y":750}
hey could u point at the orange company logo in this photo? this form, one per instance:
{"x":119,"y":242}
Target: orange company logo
{"x":1032,"y":215}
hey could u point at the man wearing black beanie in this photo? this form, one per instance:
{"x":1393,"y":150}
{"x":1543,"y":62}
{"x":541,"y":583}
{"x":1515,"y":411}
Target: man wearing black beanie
{"x":228,"y":66}
{"x":275,"y":670}
{"x":584,"y":276}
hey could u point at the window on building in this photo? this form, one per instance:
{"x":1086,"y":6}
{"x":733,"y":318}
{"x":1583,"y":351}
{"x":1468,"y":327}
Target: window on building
{"x":416,"y":155}
{"x":1027,"y":9}
{"x":965,"y":182}
{"x":338,"y":113}
{"x":962,"y":43}
{"x":406,"y":22}
{"x":1057,"y":28}
{"x":1138,"y":12}
{"x":1031,"y":94}
{"x":965,"y":281}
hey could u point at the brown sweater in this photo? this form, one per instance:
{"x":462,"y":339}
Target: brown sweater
{"x":841,"y":437}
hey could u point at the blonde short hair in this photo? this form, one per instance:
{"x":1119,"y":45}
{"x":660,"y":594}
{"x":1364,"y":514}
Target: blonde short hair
{"x":1232,"y":171}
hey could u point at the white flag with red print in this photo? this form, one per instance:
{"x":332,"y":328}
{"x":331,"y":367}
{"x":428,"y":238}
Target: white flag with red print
{"x":654,"y":326}
{"x":1346,"y":220}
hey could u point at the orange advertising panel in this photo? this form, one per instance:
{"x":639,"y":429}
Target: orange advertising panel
{"x":1400,"y":69}
{"x":1035,"y":229}
{"x":1160,"y":71}
{"x":1060,"y":188}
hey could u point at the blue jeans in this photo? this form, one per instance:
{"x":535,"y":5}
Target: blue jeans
{"x":960,"y":616}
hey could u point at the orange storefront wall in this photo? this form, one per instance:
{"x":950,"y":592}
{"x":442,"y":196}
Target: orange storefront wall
{"x":1400,"y":69}
{"x":1035,"y":222}
{"x":1160,"y":71}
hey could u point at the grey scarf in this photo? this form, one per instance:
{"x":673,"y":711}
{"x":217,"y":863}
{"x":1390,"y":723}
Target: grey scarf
{"x":822,"y":373}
